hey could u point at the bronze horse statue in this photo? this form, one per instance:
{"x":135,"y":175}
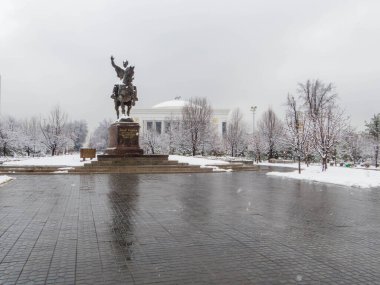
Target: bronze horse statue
{"x":125,"y":93}
{"x":124,"y":96}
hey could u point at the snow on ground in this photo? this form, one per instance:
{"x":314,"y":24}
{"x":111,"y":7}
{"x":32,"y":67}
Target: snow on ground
{"x":4,"y":179}
{"x":335,"y":175}
{"x":288,"y":165}
{"x":58,"y":160}
{"x":197,"y":160}
{"x":202,"y":162}
{"x":74,"y":160}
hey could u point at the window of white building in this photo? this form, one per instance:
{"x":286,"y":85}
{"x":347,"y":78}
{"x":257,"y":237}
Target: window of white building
{"x":149,"y":125}
{"x":158,"y":127}
{"x":224,"y":128}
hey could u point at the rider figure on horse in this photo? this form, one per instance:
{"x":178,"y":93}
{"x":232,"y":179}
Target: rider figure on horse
{"x":124,"y":93}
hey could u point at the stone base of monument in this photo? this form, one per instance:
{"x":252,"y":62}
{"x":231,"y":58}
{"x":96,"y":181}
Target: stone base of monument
{"x":124,"y":155}
{"x":123,"y":139}
{"x":137,"y":164}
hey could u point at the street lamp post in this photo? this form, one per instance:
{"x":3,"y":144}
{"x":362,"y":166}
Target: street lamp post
{"x":253,"y":110}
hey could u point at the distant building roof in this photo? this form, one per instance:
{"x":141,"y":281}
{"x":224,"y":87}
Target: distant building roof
{"x":171,"y":104}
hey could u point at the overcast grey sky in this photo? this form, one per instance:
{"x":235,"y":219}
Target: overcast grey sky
{"x":236,"y":53}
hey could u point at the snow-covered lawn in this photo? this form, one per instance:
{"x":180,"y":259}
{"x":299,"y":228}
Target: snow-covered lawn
{"x":335,"y":175}
{"x":288,"y":165}
{"x":74,"y":160}
{"x":202,"y":162}
{"x":4,"y":179}
{"x":197,"y":160}
{"x":59,"y":160}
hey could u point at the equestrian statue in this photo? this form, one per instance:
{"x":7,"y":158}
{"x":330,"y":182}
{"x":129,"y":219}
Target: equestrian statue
{"x":124,"y":93}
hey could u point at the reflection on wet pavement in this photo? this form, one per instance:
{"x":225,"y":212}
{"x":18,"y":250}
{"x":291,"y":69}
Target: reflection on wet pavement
{"x":231,"y":228}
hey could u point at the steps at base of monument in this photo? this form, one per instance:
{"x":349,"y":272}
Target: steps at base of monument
{"x":105,"y":157}
{"x":142,"y":169}
{"x":131,"y":162}
{"x":139,"y":166}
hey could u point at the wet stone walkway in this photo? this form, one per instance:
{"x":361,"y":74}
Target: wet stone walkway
{"x":228,"y":228}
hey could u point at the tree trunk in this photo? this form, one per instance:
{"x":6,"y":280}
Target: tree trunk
{"x":324,"y":163}
{"x":299,"y":164}
{"x":306,"y":160}
{"x":376,"y":155}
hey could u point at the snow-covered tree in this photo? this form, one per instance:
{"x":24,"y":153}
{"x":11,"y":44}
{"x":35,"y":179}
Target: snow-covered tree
{"x":172,"y":135}
{"x":151,"y":142}
{"x":308,"y":148}
{"x":99,"y":137}
{"x":316,"y":96}
{"x":53,"y":130}
{"x":328,"y":129}
{"x":196,"y":117}
{"x":214,"y":144}
{"x":235,"y":136}
{"x":77,"y":132}
{"x":373,"y":129}
{"x":256,"y":143}
{"x":367,"y":148}
{"x":297,"y":130}
{"x":10,"y":136}
{"x":35,"y":136}
{"x":326,"y":118}
{"x":352,"y":145}
{"x":271,"y":131}
{"x":32,"y":144}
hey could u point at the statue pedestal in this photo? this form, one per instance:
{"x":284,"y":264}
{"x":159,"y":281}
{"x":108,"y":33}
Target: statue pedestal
{"x":124,"y":139}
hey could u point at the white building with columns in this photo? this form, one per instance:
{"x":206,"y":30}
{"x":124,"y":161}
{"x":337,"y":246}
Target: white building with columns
{"x":160,"y":116}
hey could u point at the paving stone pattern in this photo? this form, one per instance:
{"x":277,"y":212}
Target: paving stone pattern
{"x":227,"y":228}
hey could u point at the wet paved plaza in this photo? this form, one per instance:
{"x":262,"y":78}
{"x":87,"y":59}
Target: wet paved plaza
{"x":228,"y":228}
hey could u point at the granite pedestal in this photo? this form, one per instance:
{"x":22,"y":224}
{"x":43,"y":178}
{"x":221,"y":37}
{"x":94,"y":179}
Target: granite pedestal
{"x":124,"y":139}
